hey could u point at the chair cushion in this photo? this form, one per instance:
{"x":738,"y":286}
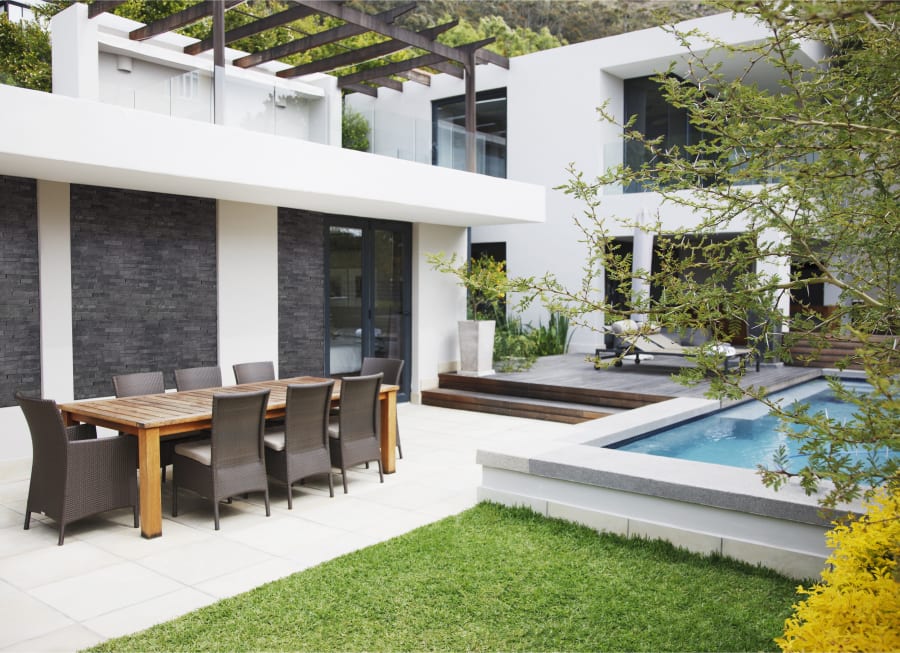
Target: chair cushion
{"x":199,"y":450}
{"x":274,"y":440}
{"x":623,"y":327}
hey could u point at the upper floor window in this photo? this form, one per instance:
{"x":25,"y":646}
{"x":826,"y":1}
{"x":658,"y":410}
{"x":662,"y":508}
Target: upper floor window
{"x":655,"y":118}
{"x":448,"y":121}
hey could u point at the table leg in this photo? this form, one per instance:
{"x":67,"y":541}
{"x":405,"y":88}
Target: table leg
{"x":150,"y":483}
{"x":389,"y":432}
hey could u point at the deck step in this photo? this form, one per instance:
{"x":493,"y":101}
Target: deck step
{"x":569,"y":394}
{"x":804,"y":354}
{"x":483,"y":402}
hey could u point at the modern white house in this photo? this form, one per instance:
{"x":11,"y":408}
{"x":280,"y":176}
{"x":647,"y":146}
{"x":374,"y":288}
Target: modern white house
{"x":540,"y":116}
{"x":147,"y":226}
{"x":150,"y":223}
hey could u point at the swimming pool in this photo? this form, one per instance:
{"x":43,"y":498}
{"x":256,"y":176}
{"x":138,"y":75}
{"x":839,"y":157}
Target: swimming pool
{"x":746,"y":435}
{"x":710,"y":508}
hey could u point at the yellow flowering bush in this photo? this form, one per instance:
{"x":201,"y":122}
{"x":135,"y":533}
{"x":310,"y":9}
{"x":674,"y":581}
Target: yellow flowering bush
{"x":856,"y":607}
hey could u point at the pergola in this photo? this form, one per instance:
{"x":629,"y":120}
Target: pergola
{"x":458,"y":61}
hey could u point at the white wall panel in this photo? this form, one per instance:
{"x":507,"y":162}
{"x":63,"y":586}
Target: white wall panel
{"x":247,"y":250}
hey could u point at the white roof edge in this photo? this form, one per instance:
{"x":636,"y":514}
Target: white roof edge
{"x":191,"y":158}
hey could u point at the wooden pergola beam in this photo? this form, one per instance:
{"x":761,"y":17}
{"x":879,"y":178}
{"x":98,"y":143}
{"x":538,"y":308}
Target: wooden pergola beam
{"x":417,"y":76}
{"x":179,"y":19}
{"x":488,"y":56}
{"x":365,"y":89}
{"x":316,"y":40}
{"x":389,"y":69}
{"x":448,"y":69}
{"x":360,"y":55}
{"x":255,"y":27}
{"x":373,"y":24}
{"x":388,"y":82}
{"x":98,"y":7}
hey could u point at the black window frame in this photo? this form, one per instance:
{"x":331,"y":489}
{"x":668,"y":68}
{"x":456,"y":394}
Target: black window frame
{"x":480,"y":96}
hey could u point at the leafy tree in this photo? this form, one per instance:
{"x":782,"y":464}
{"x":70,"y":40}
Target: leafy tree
{"x":354,"y":130}
{"x":24,"y":54}
{"x":571,"y":21}
{"x":510,"y":41}
{"x":826,"y":142}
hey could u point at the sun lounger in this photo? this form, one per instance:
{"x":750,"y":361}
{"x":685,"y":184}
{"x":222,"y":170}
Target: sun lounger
{"x":633,"y":340}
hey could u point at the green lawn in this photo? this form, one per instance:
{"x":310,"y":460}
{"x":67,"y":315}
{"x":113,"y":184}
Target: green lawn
{"x":495,"y":579}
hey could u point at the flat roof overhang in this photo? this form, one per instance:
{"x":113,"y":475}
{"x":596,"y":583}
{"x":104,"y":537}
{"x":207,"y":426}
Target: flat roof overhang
{"x":56,"y":138}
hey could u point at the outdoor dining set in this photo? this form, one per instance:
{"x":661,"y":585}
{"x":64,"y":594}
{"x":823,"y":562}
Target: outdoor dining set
{"x":221,"y":441}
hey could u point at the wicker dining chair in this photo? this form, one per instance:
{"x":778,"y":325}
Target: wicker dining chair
{"x":231,"y":461}
{"x":136,"y":384}
{"x":254,"y":372}
{"x":301,"y":448}
{"x":74,"y":474}
{"x":392,"y":368}
{"x":356,"y":430}
{"x":198,"y":378}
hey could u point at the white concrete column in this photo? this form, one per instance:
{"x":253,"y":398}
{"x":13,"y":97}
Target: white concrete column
{"x":779,"y":268}
{"x":641,"y":262}
{"x":247,"y":258}
{"x":55,"y":255}
{"x":76,"y":59}
{"x":439,"y":303}
{"x":55,"y":280}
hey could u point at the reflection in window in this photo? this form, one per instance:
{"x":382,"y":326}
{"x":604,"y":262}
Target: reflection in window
{"x":449,"y":132}
{"x":655,"y":118}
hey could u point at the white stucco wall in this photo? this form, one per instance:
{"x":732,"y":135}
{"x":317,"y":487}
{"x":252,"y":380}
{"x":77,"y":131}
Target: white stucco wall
{"x":75,"y":54}
{"x":247,"y":259}
{"x":440,"y":303}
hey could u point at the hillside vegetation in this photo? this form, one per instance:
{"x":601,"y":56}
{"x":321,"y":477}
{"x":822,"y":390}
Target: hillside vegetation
{"x":569,"y":20}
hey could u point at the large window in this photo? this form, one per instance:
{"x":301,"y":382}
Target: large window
{"x":655,"y":118}
{"x":448,"y":119}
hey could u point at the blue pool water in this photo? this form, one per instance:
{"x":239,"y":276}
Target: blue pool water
{"x":743,"y":436}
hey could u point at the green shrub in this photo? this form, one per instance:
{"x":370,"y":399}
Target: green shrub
{"x":354,"y":131}
{"x":514,"y":346}
{"x":517,"y":345}
{"x":554,"y":338}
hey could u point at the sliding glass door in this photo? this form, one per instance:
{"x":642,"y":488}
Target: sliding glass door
{"x":368,"y":294}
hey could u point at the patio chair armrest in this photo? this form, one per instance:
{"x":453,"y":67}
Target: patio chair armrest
{"x":104,"y":454}
{"x":81,"y":432}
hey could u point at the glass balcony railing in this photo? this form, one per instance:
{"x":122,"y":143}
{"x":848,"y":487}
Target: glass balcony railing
{"x":264,"y":108}
{"x":410,"y":139}
{"x":617,"y":153}
{"x":399,"y":137}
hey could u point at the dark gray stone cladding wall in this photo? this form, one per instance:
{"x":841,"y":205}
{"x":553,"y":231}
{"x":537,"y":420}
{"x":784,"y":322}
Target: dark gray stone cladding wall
{"x":20,"y":315}
{"x":144,"y":295}
{"x":301,"y":294}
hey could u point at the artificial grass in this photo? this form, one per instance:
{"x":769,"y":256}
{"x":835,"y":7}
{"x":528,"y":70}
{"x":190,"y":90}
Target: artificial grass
{"x":495,"y":579}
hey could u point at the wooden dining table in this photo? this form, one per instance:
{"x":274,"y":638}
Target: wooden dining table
{"x":151,"y":417}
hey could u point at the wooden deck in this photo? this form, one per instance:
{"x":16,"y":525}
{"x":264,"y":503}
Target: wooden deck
{"x":568,"y":389}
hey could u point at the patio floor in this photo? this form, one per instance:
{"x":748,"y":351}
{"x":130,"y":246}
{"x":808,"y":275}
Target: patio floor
{"x":108,"y":581}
